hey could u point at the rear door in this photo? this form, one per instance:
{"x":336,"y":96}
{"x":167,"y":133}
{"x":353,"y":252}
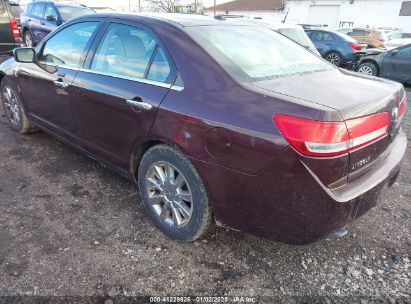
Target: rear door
{"x":125,"y":78}
{"x":36,"y":21}
{"x":396,"y":65}
{"x":323,"y":41}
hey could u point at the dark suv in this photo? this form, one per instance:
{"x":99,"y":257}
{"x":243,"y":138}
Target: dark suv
{"x":9,"y":26}
{"x":40,"y":18}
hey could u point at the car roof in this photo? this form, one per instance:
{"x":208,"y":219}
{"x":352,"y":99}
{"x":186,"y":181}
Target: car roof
{"x":182,"y":20}
{"x":263,"y":22}
{"x":69,"y":4}
{"x":59,"y":3}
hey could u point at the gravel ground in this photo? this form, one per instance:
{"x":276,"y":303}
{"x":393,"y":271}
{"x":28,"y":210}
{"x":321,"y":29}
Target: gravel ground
{"x":71,"y":227}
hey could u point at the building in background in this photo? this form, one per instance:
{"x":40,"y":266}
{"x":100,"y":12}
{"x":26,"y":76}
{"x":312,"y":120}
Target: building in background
{"x":330,"y":13}
{"x":339,"y":13}
{"x":266,"y":9}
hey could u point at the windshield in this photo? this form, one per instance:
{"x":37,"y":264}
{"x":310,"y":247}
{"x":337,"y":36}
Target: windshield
{"x":252,"y":54}
{"x":299,"y":36}
{"x":70,"y":12}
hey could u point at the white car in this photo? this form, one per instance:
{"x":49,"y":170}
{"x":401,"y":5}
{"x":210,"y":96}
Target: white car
{"x":291,"y":31}
{"x":398,"y":38}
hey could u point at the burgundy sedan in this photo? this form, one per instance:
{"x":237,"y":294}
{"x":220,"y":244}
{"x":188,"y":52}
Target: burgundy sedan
{"x":231,"y":123}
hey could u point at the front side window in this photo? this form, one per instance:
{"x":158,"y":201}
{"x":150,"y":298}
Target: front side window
{"x":126,"y":51}
{"x":255,"y":53}
{"x":50,"y":12}
{"x":38,"y":10}
{"x":67,"y":46}
{"x":405,"y":51}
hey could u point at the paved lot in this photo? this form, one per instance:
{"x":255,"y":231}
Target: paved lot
{"x":69,"y":226}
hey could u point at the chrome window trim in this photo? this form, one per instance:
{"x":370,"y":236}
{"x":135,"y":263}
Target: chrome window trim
{"x":177,"y":88}
{"x":142,"y":80}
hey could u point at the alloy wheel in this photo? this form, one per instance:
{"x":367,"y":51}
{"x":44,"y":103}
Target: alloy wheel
{"x":28,"y":40}
{"x":333,"y":58}
{"x":169,"y":194}
{"x":11,"y":106}
{"x":365,"y":70}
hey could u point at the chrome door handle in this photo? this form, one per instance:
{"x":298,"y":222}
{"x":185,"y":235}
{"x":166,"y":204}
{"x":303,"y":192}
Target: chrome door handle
{"x":142,"y":105}
{"x":60,"y":84}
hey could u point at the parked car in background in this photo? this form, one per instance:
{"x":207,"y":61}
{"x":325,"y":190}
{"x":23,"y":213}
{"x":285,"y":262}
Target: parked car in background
{"x":373,"y":38}
{"x":41,"y":17}
{"x":337,"y":48}
{"x":16,"y":10}
{"x":398,"y":38}
{"x":393,"y":64}
{"x":102,"y":9}
{"x":9,"y":26}
{"x":210,"y":119}
{"x":292,"y":31}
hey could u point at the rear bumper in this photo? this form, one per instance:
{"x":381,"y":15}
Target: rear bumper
{"x":287,"y":203}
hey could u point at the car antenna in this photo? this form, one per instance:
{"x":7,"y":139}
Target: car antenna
{"x":286,"y":15}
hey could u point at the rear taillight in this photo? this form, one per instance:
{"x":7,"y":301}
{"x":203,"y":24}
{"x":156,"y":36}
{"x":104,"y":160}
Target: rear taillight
{"x":15,"y":28}
{"x":401,"y":109}
{"x":323,"y":138}
{"x":355,"y":47}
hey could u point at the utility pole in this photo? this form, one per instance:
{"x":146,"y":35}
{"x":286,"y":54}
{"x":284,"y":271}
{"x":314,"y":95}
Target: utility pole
{"x":195,"y":6}
{"x":214,"y":7}
{"x":139,"y":6}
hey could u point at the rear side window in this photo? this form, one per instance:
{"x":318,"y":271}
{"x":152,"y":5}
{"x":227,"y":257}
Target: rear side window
{"x":38,"y":10}
{"x":159,"y":69}
{"x":67,"y":46}
{"x":16,"y":10}
{"x":322,"y":36}
{"x":128,"y":51}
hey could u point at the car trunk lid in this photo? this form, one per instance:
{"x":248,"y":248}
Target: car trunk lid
{"x":354,"y":96}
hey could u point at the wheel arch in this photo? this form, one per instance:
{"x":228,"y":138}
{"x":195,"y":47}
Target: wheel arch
{"x":370,"y":61}
{"x":337,"y":52}
{"x":140,"y":148}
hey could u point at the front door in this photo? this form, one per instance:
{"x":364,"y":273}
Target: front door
{"x":120,"y":90}
{"x":396,"y":65}
{"x":46,"y":83}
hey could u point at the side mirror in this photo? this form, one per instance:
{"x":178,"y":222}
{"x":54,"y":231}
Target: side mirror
{"x":52,"y":18}
{"x":24,"y":54}
{"x":394,"y":53}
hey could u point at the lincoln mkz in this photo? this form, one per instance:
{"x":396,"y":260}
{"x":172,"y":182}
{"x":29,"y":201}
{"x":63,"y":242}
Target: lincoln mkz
{"x":215,"y":122}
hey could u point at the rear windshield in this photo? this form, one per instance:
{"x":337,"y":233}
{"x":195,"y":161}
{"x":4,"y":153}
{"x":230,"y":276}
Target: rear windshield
{"x":16,"y":10}
{"x":346,"y":37}
{"x":252,"y":54}
{"x":298,"y":35}
{"x":70,"y":12}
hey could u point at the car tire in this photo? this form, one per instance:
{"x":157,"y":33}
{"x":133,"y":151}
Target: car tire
{"x":368,"y":68}
{"x":334,"y":58}
{"x":28,"y":39}
{"x":13,"y":108}
{"x":173,"y":194}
